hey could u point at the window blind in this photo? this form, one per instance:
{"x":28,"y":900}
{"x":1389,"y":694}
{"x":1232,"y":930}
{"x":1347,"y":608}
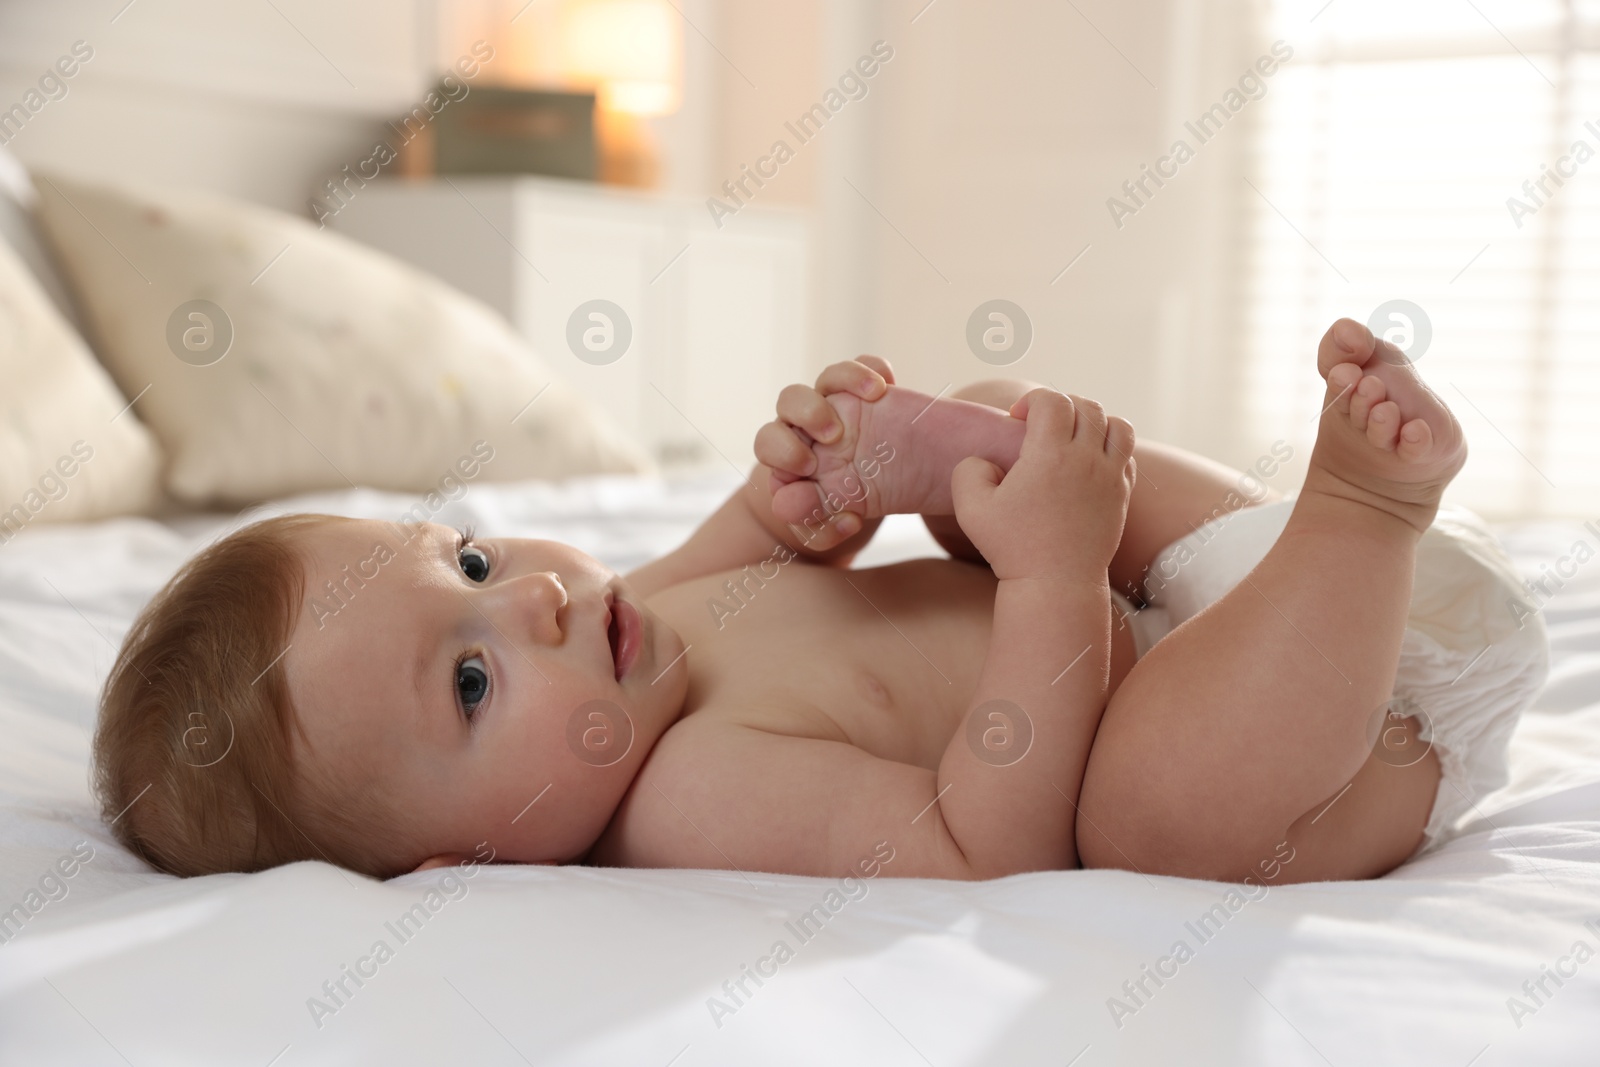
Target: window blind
{"x":1388,"y":162}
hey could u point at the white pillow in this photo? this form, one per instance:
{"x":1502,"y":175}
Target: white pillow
{"x":69,"y":446}
{"x":344,"y":366}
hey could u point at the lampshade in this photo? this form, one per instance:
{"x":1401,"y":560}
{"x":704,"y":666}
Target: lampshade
{"x":632,"y":50}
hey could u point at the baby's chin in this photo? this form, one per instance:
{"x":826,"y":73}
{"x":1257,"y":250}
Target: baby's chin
{"x":669,"y":666}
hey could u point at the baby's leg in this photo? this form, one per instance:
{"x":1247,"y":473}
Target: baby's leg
{"x":1176,"y":492}
{"x":1240,"y":728}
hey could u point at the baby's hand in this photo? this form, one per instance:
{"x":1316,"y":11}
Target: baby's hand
{"x":1059,"y":511}
{"x":805,"y":418}
{"x":818,"y":450}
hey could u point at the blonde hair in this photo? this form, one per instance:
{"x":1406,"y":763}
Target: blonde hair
{"x":194,"y":752}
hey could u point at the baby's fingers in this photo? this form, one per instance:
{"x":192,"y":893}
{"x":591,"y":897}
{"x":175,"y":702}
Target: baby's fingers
{"x":795,"y":502}
{"x":799,"y":504}
{"x":878,"y":364}
{"x":972,"y":482}
{"x":1052,"y":418}
{"x":803,"y":406}
{"x":865,"y":379}
{"x":1020,"y":409}
{"x":779,"y":447}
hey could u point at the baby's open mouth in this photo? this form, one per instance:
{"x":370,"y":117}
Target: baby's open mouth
{"x":625,"y":635}
{"x":613,"y":635}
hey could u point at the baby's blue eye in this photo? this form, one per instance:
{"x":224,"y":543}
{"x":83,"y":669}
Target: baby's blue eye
{"x":474,"y":563}
{"x":472,"y":683}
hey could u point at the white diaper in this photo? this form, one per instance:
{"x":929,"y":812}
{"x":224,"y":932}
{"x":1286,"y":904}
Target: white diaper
{"x":1469,"y":663}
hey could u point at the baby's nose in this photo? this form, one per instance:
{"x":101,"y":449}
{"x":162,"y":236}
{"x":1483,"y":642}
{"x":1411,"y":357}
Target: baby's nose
{"x":551,"y":582}
{"x":537,"y":601}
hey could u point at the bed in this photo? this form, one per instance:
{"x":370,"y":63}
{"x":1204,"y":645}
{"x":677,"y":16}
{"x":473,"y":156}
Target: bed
{"x":1478,"y":954}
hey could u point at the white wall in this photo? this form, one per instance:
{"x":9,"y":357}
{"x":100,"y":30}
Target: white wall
{"x":1003,"y":130}
{"x":984,"y":155}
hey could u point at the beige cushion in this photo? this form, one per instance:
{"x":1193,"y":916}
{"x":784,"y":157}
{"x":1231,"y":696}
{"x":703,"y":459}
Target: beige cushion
{"x":345,"y":365}
{"x":65,"y":451}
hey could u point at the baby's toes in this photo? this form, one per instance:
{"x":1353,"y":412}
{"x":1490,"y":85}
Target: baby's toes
{"x":1342,"y":381}
{"x":1346,"y":341}
{"x":1383,"y":425}
{"x":1367,"y":395}
{"x":1416,"y":441}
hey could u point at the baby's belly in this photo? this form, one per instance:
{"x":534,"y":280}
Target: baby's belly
{"x":885,"y":658}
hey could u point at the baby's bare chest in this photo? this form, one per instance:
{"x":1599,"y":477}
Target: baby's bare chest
{"x":883,"y":658}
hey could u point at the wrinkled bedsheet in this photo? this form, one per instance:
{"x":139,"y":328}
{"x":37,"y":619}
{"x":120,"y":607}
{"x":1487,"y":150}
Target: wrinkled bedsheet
{"x":1480,"y":953}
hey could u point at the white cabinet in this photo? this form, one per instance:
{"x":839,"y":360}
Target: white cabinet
{"x":717,"y":318}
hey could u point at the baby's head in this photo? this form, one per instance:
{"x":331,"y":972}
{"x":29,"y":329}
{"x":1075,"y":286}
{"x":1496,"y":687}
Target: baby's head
{"x":383,"y":696}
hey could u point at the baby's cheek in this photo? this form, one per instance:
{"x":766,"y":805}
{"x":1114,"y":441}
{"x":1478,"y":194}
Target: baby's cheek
{"x":599,"y":732}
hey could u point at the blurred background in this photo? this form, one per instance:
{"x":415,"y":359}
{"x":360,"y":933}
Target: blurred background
{"x":1158,"y":203}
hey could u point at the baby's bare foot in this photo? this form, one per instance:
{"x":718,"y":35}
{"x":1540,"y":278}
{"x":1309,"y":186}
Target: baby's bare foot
{"x":1385,"y":438}
{"x":895,"y":456}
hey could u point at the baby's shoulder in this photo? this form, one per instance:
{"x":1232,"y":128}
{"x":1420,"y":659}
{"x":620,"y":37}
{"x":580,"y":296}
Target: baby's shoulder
{"x":702,"y":776}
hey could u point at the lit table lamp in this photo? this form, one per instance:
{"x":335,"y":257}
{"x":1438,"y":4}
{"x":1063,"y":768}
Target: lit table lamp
{"x":631,"y":52}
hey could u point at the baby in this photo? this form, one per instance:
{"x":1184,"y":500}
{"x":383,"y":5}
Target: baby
{"x":748,"y":702}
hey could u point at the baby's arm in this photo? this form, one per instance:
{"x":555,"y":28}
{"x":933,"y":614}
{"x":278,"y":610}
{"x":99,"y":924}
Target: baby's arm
{"x":745,"y":531}
{"x":1009,"y":781}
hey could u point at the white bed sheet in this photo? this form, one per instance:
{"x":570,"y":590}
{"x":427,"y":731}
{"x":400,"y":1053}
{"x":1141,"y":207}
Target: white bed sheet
{"x":585,"y":966}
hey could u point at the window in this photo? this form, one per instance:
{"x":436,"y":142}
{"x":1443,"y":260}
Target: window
{"x":1382,"y":162}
